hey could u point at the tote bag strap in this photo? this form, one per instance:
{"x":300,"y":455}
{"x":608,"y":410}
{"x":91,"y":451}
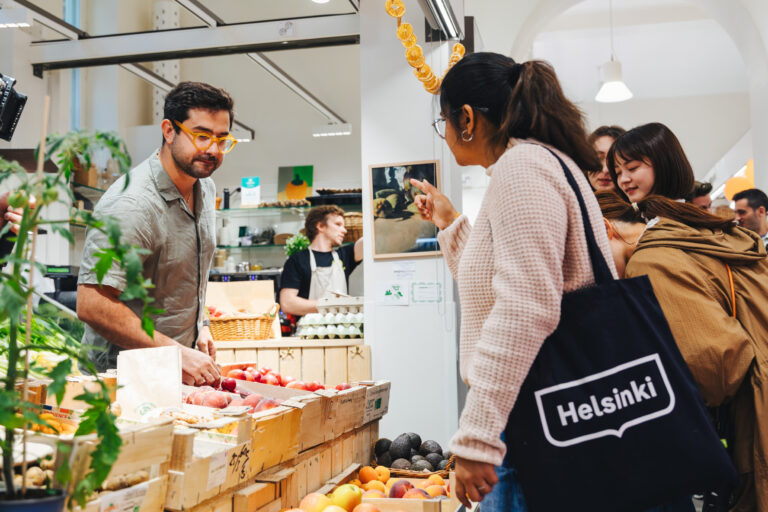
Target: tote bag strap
{"x":600,"y":268}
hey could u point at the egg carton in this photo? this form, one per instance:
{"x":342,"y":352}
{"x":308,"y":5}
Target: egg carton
{"x":340,"y":305}
{"x":330,"y":331}
{"x":332,"y":319}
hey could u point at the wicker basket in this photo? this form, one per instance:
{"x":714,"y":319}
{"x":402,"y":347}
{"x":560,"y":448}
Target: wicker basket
{"x":353,"y":221}
{"x":407,"y":473}
{"x":245,"y":327}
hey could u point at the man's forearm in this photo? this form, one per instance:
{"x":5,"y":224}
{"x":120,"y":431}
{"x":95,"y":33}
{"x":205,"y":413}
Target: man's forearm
{"x":115,"y":321}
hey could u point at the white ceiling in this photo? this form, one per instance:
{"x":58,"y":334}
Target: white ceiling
{"x":668,"y":48}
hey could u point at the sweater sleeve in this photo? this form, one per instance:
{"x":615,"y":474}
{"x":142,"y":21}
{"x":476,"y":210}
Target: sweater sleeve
{"x":529,"y":227}
{"x":452,"y":241}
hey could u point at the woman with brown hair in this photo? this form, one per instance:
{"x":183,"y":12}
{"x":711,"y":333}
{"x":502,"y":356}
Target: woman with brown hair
{"x":602,"y":139}
{"x":647,"y":160}
{"x":526,"y":249}
{"x":711,"y":279}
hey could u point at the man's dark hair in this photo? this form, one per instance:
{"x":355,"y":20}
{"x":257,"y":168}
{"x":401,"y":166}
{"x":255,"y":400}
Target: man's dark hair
{"x":187,"y":95}
{"x":319,"y":215}
{"x":755,"y":198}
{"x":612,"y":131}
{"x":700,"y":188}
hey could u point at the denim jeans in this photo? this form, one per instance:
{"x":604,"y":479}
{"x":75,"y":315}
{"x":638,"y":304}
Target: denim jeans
{"x":506,"y":495}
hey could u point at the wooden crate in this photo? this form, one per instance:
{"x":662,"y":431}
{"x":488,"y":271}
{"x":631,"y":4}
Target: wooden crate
{"x":376,"y":399}
{"x":146,"y":446}
{"x":349,"y":407}
{"x":255,"y":496}
{"x":144,"y":497}
{"x":317,"y":411}
{"x":76,"y":386}
{"x":275,"y":437}
{"x":328,"y":361}
{"x":203,"y":468}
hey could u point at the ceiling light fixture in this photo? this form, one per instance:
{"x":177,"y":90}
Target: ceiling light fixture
{"x":613,"y":89}
{"x":440,"y":16}
{"x":321,"y":1}
{"x":332,"y":130}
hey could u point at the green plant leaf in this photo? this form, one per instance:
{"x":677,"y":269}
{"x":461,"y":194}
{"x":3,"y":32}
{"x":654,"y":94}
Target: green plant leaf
{"x":104,"y":264}
{"x":59,"y":375}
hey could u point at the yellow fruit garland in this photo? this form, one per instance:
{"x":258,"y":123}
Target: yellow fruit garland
{"x":414,"y":55}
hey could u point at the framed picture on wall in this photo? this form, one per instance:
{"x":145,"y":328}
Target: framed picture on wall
{"x":398,"y":229}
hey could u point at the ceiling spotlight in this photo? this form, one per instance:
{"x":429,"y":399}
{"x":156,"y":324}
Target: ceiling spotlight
{"x":332,"y":130}
{"x":321,"y":1}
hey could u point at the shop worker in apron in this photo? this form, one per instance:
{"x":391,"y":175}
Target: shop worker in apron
{"x":319,"y":271}
{"x":167,"y":209}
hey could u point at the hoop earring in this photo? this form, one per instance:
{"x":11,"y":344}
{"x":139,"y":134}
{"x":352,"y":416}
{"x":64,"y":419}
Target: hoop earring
{"x":471,"y":136}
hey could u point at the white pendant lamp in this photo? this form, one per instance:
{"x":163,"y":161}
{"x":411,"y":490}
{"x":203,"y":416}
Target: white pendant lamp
{"x":613,"y":89}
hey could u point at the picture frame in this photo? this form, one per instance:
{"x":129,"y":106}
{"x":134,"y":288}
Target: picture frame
{"x":398,"y":230}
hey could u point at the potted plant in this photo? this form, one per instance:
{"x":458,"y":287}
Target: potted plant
{"x":74,"y":152}
{"x":24,"y":333}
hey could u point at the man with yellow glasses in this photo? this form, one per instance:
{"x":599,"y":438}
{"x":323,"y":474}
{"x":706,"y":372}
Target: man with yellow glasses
{"x":168,"y":209}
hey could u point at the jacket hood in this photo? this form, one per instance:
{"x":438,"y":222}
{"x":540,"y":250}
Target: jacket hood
{"x":738,"y":247}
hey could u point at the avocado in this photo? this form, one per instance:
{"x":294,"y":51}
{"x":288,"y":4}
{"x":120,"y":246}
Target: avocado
{"x":400,"y":448}
{"x":447,"y":454}
{"x":422,"y":465}
{"x":414,"y":453}
{"x":416,"y":457}
{"x":428,"y":447}
{"x":382,"y":446}
{"x":384,"y":459}
{"x":415,"y":440}
{"x":434,"y":458}
{"x":442,"y":465}
{"x":401,"y":464}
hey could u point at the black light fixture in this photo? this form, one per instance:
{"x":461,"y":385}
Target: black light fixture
{"x":11,"y":105}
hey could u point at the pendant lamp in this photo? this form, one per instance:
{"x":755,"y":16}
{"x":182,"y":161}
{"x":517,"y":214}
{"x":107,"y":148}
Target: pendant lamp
{"x":613,"y":89}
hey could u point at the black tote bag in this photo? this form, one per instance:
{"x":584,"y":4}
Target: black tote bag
{"x":609,"y":417}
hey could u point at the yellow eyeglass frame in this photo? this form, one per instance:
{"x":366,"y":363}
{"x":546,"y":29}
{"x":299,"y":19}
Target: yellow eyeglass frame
{"x":211,"y":139}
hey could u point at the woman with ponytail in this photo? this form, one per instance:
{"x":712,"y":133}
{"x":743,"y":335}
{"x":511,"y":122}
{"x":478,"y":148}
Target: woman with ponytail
{"x":711,"y":279}
{"x":526,"y":249}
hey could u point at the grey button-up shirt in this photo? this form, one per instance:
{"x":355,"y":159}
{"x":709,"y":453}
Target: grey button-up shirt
{"x":153,"y":215}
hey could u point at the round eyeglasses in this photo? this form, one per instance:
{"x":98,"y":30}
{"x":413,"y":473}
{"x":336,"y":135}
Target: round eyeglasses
{"x":439,"y":123}
{"x":202,"y":141}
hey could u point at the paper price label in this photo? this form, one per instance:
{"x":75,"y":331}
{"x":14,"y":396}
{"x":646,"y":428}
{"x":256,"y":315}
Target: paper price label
{"x":125,"y":500}
{"x":217,"y":469}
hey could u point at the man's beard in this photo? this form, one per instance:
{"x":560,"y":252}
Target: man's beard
{"x":188,"y":167}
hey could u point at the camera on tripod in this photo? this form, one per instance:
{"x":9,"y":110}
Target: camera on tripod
{"x":11,"y":104}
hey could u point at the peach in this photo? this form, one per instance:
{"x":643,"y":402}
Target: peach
{"x":356,"y":482}
{"x":253,"y":400}
{"x":236,"y":374}
{"x":366,"y":507}
{"x":400,"y":488}
{"x":335,"y":508}
{"x":216,"y":400}
{"x":416,"y":494}
{"x":374,"y":493}
{"x":436,"y":490}
{"x":374,"y":484}
{"x":367,"y":473}
{"x":423,"y":484}
{"x":436,"y":479}
{"x":314,"y":502}
{"x":391,"y":482}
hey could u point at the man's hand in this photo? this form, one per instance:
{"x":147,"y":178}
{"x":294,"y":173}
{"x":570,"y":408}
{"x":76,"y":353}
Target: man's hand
{"x":197,"y":368}
{"x":473,"y":480}
{"x":205,"y":342}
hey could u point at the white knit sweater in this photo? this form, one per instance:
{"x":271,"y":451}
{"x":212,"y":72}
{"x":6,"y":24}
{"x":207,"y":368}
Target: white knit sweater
{"x":526,"y":249}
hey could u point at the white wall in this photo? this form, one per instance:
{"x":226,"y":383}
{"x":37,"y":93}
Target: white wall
{"x":414,"y":346}
{"x":707,"y":126}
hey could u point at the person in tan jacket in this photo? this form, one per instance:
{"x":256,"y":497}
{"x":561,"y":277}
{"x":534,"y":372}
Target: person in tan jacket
{"x":721,"y":329}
